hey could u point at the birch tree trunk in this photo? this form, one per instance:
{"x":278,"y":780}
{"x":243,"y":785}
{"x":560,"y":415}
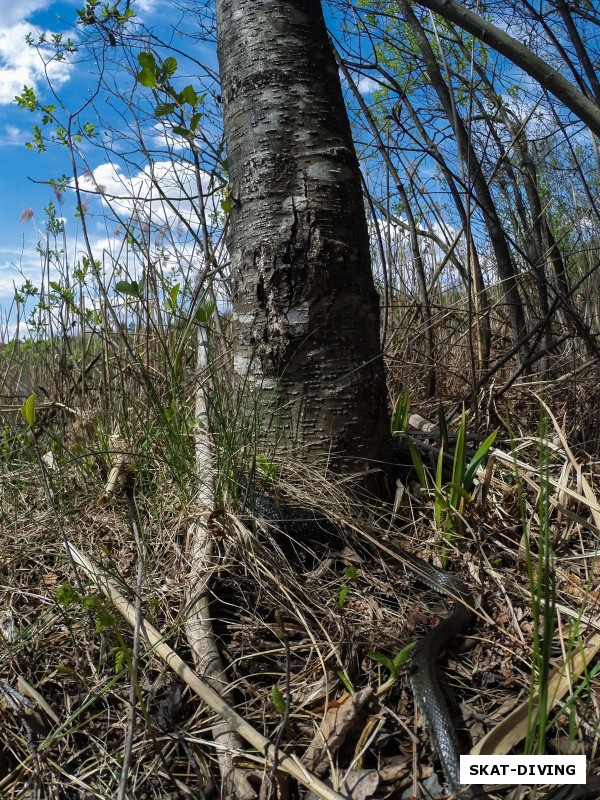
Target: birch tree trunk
{"x":306,"y":312}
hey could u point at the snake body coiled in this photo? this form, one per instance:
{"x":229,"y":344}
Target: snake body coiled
{"x":299,"y":523}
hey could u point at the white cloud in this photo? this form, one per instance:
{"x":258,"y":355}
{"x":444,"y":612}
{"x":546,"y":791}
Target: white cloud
{"x":367,"y":85}
{"x":179,"y":263}
{"x":166,"y":141}
{"x":15,"y":268}
{"x":12,"y":12}
{"x":11,"y":135}
{"x":163,"y":194}
{"x":21,"y":65}
{"x":145,"y":6}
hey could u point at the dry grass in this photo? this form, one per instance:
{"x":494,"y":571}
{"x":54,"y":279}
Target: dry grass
{"x":277,"y":612}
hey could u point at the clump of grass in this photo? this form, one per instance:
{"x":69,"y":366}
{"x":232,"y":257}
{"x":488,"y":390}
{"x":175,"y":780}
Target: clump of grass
{"x":296,"y":630}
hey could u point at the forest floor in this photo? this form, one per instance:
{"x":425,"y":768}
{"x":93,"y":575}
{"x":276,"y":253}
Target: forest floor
{"x":315,"y":635}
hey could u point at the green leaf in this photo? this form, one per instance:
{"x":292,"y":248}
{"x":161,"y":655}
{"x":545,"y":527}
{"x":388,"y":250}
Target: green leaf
{"x":400,"y":414}
{"x":91,"y":602}
{"x":346,"y":681}
{"x":342,"y":597}
{"x":394,"y":665}
{"x":278,"y":700}
{"x":28,"y":411}
{"x":481,"y":453}
{"x":147,"y":61}
{"x":104,"y":621}
{"x":440,"y":502}
{"x":458,"y":467}
{"x":122,"y":658}
{"x":169,"y":66}
{"x":443,"y":426}
{"x":203,"y":314}
{"x":181,"y":131}
{"x":147,"y":78}
{"x":266,"y":467}
{"x":351,"y":572}
{"x":418,"y":465}
{"x":382,"y":659}
{"x":458,"y":493}
{"x":189,"y":96}
{"x":162,"y":109}
{"x":195,"y":120}
{"x":66,"y":595}
{"x":171,"y":303}
{"x":226,"y":205}
{"x":130,"y":289}
{"x":401,"y":658}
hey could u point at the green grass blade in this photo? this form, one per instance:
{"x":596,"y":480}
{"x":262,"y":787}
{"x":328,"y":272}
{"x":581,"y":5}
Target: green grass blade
{"x":458,"y":466}
{"x":443,"y":425}
{"x":479,"y":456}
{"x":400,"y":414}
{"x":440,"y":501}
{"x":418,"y":465}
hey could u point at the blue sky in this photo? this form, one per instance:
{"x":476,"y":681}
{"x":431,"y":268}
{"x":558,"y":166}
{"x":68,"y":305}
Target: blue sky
{"x":116,"y":170}
{"x":25,"y":173}
{"x":19,"y":65}
{"x":118,"y":174}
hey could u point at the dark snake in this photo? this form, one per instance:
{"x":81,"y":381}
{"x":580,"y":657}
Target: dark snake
{"x":299,"y":523}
